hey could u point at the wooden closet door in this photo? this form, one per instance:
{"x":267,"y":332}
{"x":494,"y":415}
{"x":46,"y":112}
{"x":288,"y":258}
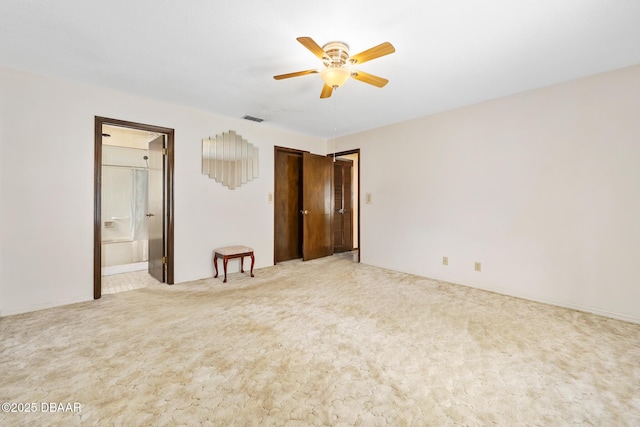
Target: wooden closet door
{"x":156,"y":214}
{"x":287,"y":205}
{"x":343,"y":207}
{"x":317,"y":206}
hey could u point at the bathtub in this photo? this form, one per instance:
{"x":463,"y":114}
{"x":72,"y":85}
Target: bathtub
{"x":122,"y":256}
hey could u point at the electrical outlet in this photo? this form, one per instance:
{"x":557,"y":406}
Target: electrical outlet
{"x":270,"y":198}
{"x":478,"y":266}
{"x":369,"y":198}
{"x":445,"y":260}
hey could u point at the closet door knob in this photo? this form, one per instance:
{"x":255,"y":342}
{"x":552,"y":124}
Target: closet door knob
{"x":150,"y":215}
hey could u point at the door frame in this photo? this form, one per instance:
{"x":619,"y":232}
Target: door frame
{"x":97,"y":196}
{"x":344,"y":153}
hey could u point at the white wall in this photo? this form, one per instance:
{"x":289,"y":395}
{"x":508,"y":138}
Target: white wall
{"x":542,"y":187}
{"x":46,"y":193}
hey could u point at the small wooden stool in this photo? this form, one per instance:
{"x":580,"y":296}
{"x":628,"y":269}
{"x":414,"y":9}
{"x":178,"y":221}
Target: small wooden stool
{"x":230,"y":252}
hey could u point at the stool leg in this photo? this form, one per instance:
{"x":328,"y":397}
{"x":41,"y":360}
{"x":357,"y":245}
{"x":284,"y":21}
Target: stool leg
{"x":215,"y":264}
{"x":224,"y":263}
{"x":253,"y":260}
{"x":241,"y":264}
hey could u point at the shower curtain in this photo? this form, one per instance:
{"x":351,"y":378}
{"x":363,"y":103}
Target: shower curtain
{"x":139,"y":178}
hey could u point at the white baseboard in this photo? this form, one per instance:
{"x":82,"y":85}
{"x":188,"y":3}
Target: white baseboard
{"x":44,"y":306}
{"x":530,"y":297}
{"x":125,"y":268}
{"x":563,"y":304}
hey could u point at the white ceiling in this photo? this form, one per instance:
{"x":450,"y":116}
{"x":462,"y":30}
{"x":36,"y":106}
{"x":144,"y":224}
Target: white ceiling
{"x":221,"y":56}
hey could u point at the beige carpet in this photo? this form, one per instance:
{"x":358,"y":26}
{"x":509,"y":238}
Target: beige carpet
{"x":326,"y":342}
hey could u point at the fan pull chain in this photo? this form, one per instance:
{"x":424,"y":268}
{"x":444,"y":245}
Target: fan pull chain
{"x":335,"y":126}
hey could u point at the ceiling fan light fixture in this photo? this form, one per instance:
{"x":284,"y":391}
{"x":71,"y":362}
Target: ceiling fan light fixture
{"x":335,"y":76}
{"x":338,"y":62}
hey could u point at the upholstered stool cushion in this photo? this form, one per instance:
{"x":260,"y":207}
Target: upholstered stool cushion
{"x":233,"y":250}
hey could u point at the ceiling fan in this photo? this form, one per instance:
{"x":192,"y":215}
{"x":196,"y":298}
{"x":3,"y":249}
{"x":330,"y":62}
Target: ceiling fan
{"x":337,"y":64}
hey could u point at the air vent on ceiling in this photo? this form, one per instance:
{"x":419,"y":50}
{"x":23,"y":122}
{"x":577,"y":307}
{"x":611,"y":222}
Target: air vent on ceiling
{"x":253,"y":119}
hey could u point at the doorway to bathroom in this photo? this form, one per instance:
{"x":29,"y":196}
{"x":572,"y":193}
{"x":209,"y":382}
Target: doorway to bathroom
{"x":133,"y":212}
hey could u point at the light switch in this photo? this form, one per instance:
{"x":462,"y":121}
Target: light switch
{"x":368,"y":198}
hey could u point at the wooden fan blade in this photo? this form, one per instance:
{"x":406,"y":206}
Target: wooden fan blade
{"x":296,"y":74}
{"x":375,"y":52}
{"x":314,"y":47}
{"x":369,"y":78}
{"x":326,"y":91}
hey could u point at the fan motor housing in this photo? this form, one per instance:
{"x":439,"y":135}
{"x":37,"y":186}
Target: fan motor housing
{"x":337,"y":54}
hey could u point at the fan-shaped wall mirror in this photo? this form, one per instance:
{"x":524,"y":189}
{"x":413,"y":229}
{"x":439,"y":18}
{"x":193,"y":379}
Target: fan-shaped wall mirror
{"x":229,"y":159}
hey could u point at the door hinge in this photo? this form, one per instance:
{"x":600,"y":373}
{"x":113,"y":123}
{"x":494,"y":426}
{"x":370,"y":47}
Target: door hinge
{"x":164,"y":259}
{"x":164,"y":152}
